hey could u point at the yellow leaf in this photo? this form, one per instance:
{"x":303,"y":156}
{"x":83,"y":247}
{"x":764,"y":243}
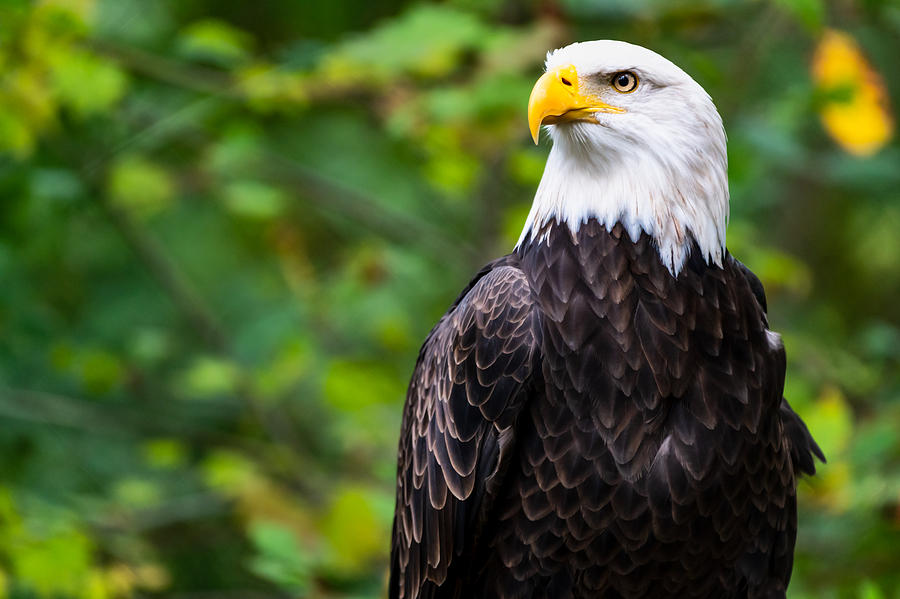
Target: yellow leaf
{"x":81,"y":10}
{"x":856,"y":111}
{"x":152,"y":577}
{"x":833,"y":489}
{"x":353,"y":529}
{"x":120,"y":579}
{"x":831,"y":421}
{"x":95,"y":586}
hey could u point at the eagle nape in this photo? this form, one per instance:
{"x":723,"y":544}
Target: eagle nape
{"x":600,"y":413}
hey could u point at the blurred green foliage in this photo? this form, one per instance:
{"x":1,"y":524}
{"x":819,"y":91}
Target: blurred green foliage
{"x":226,"y":227}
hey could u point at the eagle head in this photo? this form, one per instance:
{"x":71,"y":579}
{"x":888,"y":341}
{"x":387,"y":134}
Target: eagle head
{"x":635,"y":141}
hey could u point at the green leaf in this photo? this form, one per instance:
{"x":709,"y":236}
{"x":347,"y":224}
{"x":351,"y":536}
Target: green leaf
{"x":279,"y":557}
{"x":208,"y":377}
{"x":810,"y":13}
{"x":351,"y":385}
{"x":15,"y":136}
{"x":228,"y":472}
{"x":165,"y":454}
{"x":215,"y":41}
{"x":428,"y":41}
{"x":869,"y":590}
{"x":58,"y":185}
{"x":137,"y":493}
{"x":84,"y":83}
{"x":254,"y":200}
{"x":140,"y":186}
{"x":68,"y":555}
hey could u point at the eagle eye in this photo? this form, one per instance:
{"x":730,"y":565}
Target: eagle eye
{"x":625,"y":82}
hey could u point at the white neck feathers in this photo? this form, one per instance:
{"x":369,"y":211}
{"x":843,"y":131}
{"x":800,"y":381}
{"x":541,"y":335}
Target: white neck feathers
{"x":676,"y":193}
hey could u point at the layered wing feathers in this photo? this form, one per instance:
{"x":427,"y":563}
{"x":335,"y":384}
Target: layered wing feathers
{"x":469,"y":384}
{"x":804,"y":449}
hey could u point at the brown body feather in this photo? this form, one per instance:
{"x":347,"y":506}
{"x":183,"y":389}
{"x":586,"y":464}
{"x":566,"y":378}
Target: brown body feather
{"x":582,"y":424}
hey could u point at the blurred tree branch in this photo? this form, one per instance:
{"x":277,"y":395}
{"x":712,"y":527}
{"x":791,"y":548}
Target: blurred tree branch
{"x":170,"y":278}
{"x":113,"y":419}
{"x":173,"y":511}
{"x":330,"y":197}
{"x":177,"y":73}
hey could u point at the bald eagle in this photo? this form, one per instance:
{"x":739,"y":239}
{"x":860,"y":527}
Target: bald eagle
{"x":599,"y":414}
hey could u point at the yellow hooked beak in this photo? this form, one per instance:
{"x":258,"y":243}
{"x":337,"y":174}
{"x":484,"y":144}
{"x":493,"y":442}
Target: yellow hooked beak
{"x":557,"y":98}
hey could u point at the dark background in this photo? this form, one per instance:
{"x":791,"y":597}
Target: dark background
{"x":226,"y":227}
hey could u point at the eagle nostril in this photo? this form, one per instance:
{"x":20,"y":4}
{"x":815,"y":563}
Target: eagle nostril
{"x":565,"y":81}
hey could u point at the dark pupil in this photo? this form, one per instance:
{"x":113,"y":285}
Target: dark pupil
{"x":624,"y":80}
